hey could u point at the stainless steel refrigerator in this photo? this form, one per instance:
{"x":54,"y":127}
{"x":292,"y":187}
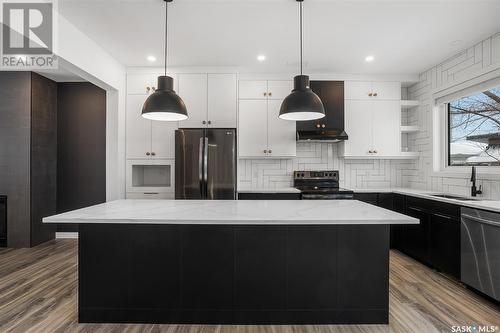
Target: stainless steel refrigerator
{"x":205,"y":164}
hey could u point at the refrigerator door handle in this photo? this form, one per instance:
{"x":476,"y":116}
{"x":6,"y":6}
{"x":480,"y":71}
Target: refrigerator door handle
{"x":200,"y":166}
{"x":205,"y":168}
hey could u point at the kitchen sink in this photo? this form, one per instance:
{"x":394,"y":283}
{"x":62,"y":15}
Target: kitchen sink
{"x":454,"y":197}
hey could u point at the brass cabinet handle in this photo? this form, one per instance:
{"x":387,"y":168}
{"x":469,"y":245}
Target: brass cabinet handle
{"x":370,"y":151}
{"x":318,"y":125}
{"x":270,"y":151}
{"x":203,"y":122}
{"x":153,"y":154}
{"x":370,"y":94}
{"x":153,"y":88}
{"x":270,"y":94}
{"x":148,"y":153}
{"x":265,"y":94}
{"x":323,"y":125}
{"x":209,"y":122}
{"x":265,"y":151}
{"x":375,"y":94}
{"x":148,"y":89}
{"x":374,"y":151}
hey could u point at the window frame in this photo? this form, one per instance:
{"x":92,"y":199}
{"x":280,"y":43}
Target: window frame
{"x":448,"y":140}
{"x":441,"y":150}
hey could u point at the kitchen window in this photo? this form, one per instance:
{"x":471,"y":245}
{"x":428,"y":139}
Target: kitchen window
{"x":474,"y":130}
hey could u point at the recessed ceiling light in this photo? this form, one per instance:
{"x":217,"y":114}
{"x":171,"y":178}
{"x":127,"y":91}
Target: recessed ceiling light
{"x":369,"y":58}
{"x":151,"y":58}
{"x":261,"y":57}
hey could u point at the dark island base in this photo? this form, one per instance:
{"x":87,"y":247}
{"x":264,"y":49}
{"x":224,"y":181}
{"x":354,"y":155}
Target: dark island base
{"x":213,"y":274}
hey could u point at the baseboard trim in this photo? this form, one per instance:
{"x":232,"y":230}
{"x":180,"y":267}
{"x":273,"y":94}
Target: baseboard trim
{"x":66,"y":235}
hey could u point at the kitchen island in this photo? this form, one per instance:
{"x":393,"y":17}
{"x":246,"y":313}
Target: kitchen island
{"x":233,"y":262}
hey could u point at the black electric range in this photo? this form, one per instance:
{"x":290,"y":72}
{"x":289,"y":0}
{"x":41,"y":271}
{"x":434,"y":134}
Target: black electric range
{"x":320,"y":185}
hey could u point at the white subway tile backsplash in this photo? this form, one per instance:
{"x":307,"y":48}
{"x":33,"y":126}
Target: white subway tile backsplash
{"x":273,"y":173}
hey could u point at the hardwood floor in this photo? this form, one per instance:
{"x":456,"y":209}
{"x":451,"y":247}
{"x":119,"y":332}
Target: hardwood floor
{"x":38,"y":293}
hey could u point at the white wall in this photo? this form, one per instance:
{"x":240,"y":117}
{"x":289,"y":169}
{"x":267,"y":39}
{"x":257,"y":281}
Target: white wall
{"x":82,"y":56}
{"x":467,"y":66}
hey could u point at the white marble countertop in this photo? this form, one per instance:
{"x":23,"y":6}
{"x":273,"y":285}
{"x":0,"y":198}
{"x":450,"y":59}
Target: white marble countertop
{"x":269,"y":190}
{"x":491,"y":205}
{"x":233,"y":212}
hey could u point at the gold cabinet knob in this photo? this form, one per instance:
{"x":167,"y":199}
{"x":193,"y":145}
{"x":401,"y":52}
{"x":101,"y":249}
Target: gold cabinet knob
{"x":323,"y":125}
{"x":318,"y":125}
{"x":148,"y":153}
{"x":374,"y":151}
{"x":370,"y":151}
{"x":210,"y":122}
{"x":370,"y":94}
{"x":203,"y":122}
{"x":153,"y":154}
{"x":265,"y":151}
{"x":375,"y":94}
{"x":265,"y":94}
{"x":270,"y":151}
{"x":270,"y":94}
{"x":148,"y":89}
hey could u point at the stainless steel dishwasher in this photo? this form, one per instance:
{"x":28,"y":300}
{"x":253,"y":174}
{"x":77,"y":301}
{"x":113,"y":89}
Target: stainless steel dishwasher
{"x":480,"y":250}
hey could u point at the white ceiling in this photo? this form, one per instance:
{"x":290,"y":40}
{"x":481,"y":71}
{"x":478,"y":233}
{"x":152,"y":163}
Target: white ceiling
{"x":405,"y":36}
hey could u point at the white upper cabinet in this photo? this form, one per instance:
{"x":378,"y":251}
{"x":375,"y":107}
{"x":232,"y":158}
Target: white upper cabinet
{"x":373,"y":128}
{"x":372,"y":90}
{"x":372,"y":119}
{"x":193,"y":90}
{"x":145,"y":84}
{"x":279,"y":89}
{"x":275,"y":89}
{"x":281,"y":134}
{"x":163,"y":139}
{"x":252,"y":129}
{"x":387,"y":90}
{"x":253,"y":89}
{"x":222,"y":100}
{"x":262,"y":133}
{"x":211,"y":100}
{"x":386,"y":122}
{"x":358,"y":125}
{"x":140,"y":84}
{"x":138,"y":128}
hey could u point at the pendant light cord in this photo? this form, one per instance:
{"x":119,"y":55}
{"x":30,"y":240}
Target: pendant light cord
{"x":166,"y":35}
{"x":301,"y":34}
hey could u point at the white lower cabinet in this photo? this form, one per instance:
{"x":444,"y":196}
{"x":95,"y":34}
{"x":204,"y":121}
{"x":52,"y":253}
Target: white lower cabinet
{"x":262,"y":133}
{"x":373,"y":129}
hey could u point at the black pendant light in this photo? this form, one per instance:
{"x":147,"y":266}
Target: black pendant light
{"x":164,"y":104}
{"x":302,"y":104}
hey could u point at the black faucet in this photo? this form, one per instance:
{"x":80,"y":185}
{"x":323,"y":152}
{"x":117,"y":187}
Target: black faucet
{"x":474,"y":191}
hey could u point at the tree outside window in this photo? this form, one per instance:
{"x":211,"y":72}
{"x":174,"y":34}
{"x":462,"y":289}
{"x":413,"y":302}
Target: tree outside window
{"x":474,"y":130}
